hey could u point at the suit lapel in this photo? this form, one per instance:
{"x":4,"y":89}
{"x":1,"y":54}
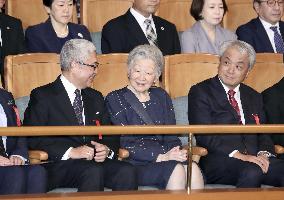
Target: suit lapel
{"x":247,"y":106}
{"x":5,"y":30}
{"x":51,"y":35}
{"x":280,"y":89}
{"x":160,"y":30}
{"x":134,"y":29}
{"x":219,"y":93}
{"x":7,"y":105}
{"x":263,"y":37}
{"x":63,"y":102}
{"x":281,"y":25}
{"x":91,"y":111}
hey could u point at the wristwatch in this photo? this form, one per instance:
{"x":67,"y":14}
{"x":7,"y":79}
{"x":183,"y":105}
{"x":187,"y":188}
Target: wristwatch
{"x":110,"y":154}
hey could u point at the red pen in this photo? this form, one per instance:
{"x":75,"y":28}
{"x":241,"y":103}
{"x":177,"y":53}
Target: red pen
{"x":98,"y":124}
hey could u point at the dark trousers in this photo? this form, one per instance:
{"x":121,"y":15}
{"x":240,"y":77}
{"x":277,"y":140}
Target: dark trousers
{"x":242,"y":174}
{"x":22,"y":179}
{"x":91,"y":176}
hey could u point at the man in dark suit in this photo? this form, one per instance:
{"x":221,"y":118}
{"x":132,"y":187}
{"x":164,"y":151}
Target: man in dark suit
{"x":262,"y":31}
{"x":273,"y":98}
{"x":122,"y":34}
{"x":15,"y":176}
{"x":12,"y":40}
{"x":86,"y":162}
{"x":241,"y":160}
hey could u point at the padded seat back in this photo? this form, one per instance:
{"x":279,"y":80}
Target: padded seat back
{"x":31,"y":12}
{"x":25,"y":72}
{"x":96,"y":13}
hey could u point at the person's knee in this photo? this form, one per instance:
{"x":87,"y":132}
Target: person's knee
{"x":94,"y":171}
{"x":251,"y":176}
{"x":17,"y":174}
{"x":37,"y":171}
{"x":127,"y":170}
{"x":125,"y":178}
{"x":15,"y":180}
{"x":91,"y":178}
{"x":197,"y":181}
{"x":37,"y":180}
{"x":177,"y":179}
{"x":252,"y":172}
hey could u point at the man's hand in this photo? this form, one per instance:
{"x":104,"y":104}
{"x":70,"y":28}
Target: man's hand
{"x":5,"y":161}
{"x":101,"y":151}
{"x":174,"y":154}
{"x":15,"y":160}
{"x":82,"y":152}
{"x":261,"y":161}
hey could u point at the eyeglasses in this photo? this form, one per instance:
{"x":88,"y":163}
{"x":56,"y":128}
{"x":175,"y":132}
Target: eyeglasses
{"x":272,"y":3}
{"x":95,"y":65}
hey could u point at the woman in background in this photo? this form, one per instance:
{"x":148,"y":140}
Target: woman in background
{"x":158,"y":158}
{"x":206,"y":35}
{"x":50,"y":36}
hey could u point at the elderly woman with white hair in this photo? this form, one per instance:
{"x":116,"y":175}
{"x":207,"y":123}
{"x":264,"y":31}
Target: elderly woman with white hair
{"x":158,"y":158}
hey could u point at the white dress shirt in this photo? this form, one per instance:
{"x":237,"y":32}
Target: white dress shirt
{"x":3,"y":123}
{"x":70,"y":89}
{"x":270,"y":32}
{"x":141,"y":19}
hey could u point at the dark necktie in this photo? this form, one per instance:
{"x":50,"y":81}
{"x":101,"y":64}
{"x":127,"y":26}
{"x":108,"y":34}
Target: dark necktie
{"x":2,"y":149}
{"x":150,"y":33}
{"x":78,"y":107}
{"x":234,"y":104}
{"x":279,"y":45}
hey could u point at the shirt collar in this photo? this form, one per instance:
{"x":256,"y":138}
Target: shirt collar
{"x":236,"y":89}
{"x":140,"y":18}
{"x":267,"y":25}
{"x":69,"y":87}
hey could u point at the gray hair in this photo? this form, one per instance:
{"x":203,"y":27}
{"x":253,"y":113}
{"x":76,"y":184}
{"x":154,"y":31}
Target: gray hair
{"x":78,"y":50}
{"x":242,"y":47}
{"x":146,"y":52}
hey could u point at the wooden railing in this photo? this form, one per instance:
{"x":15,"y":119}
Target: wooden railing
{"x":220,"y":194}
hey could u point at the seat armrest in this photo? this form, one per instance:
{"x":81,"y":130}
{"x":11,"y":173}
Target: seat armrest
{"x":196,"y":150}
{"x":37,"y":156}
{"x":200,"y":151}
{"x":279,"y":149}
{"x":123,"y":154}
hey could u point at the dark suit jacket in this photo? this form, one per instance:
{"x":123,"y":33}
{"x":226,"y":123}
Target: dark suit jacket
{"x":122,"y":34}
{"x":273,"y":98}
{"x":41,"y":38}
{"x":254,"y":33}
{"x":50,"y":106}
{"x":14,"y":145}
{"x":208,"y":104}
{"x":13,"y":40}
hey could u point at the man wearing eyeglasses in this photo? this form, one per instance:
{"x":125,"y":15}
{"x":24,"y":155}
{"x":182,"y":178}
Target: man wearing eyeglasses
{"x":266,"y":32}
{"x":88,"y":163}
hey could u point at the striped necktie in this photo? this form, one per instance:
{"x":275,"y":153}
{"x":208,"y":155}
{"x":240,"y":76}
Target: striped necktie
{"x":150,"y":33}
{"x":279,"y":45}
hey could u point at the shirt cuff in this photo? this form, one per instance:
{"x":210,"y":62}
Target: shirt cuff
{"x":233,"y":153}
{"x":66,"y":154}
